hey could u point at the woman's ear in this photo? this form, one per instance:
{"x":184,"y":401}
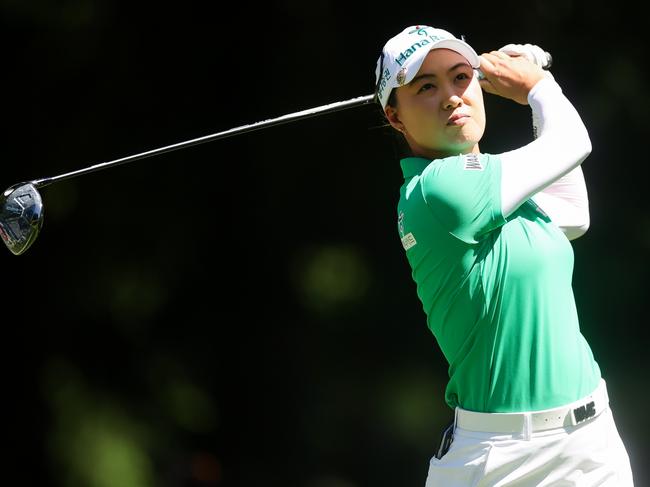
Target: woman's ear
{"x":393,"y":118}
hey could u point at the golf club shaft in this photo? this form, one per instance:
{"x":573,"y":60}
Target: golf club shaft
{"x":332,"y":107}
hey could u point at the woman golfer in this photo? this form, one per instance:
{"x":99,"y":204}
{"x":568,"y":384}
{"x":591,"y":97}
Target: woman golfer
{"x":488,"y":239}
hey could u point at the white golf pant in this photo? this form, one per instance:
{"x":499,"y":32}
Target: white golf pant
{"x":589,"y":453}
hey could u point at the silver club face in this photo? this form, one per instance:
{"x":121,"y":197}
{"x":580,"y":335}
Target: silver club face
{"x":21,"y":216}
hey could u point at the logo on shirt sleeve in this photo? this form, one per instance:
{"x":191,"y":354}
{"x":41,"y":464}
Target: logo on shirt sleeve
{"x":408,"y":240}
{"x":538,"y":208}
{"x":472,"y":162}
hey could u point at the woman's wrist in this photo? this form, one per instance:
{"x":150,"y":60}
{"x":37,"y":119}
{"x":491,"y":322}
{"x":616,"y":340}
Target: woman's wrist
{"x":541,"y":85}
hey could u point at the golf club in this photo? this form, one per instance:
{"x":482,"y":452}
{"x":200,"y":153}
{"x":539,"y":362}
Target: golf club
{"x":21,"y":205}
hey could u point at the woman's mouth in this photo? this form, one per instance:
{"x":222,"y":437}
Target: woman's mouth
{"x":457,"y":119}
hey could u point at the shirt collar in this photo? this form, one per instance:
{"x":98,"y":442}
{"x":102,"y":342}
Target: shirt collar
{"x":413,"y":165}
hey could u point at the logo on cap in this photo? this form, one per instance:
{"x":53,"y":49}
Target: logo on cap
{"x":420,"y":29}
{"x":401,"y":76}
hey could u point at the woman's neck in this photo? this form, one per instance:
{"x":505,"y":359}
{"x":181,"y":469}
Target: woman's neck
{"x":438,"y":154}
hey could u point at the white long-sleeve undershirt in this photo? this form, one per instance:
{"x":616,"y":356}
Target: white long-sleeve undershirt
{"x":566,"y":202}
{"x":548,"y":169}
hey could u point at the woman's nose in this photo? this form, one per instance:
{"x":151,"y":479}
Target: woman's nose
{"x":452,"y":102}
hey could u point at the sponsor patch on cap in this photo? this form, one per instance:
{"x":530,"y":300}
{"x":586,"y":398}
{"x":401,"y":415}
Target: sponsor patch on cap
{"x":472,"y":162}
{"x":401,"y":76}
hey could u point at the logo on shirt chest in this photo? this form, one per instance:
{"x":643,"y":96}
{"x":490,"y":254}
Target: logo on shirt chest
{"x":408,"y":240}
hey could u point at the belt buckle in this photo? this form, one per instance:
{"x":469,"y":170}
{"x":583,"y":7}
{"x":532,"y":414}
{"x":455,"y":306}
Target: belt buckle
{"x":584,"y":412}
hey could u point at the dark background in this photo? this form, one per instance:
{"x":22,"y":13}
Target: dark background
{"x":241,"y":313}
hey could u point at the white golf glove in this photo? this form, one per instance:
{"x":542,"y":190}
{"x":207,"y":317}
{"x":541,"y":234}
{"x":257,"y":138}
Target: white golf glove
{"x":536,"y":55}
{"x":533,"y":53}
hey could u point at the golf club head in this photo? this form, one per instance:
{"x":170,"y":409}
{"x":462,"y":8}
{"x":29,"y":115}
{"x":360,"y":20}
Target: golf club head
{"x":21,"y":216}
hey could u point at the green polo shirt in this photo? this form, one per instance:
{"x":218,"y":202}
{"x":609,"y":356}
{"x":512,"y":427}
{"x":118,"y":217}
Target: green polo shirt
{"x":496,"y":291}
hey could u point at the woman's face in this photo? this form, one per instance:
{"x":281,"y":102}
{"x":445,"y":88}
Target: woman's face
{"x":441,"y":111}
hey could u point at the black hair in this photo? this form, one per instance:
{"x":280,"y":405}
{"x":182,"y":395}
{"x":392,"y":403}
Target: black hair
{"x":401,"y":148}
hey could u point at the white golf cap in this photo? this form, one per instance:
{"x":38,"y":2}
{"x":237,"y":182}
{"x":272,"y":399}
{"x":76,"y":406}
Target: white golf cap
{"x":403,"y":55}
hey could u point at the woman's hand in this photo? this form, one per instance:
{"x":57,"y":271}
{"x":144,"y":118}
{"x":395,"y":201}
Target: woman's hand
{"x":509,"y":76}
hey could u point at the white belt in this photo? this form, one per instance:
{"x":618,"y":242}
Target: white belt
{"x":569,"y":415}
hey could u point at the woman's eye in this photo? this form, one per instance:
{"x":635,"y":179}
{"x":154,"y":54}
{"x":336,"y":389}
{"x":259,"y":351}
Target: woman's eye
{"x":425,"y":86}
{"x":462,"y":76}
